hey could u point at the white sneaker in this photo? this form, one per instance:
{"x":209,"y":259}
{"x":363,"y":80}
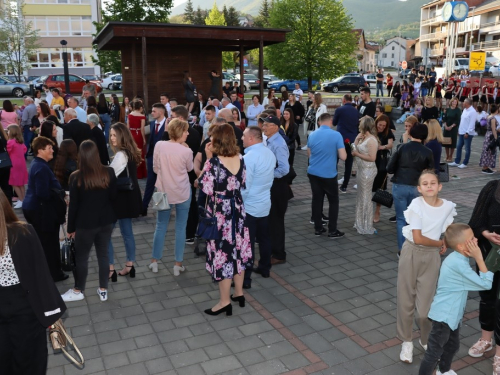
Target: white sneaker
{"x":355,"y":186}
{"x":304,"y":148}
{"x":406,"y":354}
{"x":19,"y":204}
{"x":71,"y":296}
{"x":422,"y":345}
{"x":103,"y":294}
{"x":178,"y":270}
{"x":453,"y":164}
{"x":451,"y":372}
{"x":153,"y":267}
{"x":462,"y":166}
{"x":341,"y":181}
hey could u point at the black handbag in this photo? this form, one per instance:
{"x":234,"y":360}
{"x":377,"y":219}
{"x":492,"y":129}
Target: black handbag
{"x":207,"y":223}
{"x":67,"y":253}
{"x":444,"y":172}
{"x":493,"y":144}
{"x":125,"y":183}
{"x":5,"y":161}
{"x":383,"y":197}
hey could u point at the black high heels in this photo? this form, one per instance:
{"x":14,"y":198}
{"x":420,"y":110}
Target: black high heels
{"x":131,"y":273}
{"x":240,"y":299}
{"x":228,"y":309}
{"x":113,"y":277}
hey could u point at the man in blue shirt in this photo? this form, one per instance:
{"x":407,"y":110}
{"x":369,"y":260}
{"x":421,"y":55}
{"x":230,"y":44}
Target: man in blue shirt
{"x":346,"y":119}
{"x":323,"y":145}
{"x":260,"y":163}
{"x":280,"y":189}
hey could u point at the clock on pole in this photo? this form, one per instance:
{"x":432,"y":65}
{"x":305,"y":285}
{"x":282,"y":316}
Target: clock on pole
{"x":455,"y":11}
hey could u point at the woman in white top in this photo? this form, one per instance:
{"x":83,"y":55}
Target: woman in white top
{"x":428,"y":217}
{"x":269,"y":98}
{"x":316,"y":109}
{"x":172,"y":160}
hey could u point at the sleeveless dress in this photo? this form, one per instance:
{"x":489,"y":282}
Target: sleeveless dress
{"x":232,"y":253}
{"x":367,"y":171}
{"x":488,"y":158}
{"x":134,"y":123}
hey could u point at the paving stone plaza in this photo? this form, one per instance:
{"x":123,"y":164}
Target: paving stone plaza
{"x":331,"y":309}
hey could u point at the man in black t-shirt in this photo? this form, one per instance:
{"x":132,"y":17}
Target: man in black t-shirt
{"x":380,"y":83}
{"x":432,"y":80}
{"x":367,"y":106}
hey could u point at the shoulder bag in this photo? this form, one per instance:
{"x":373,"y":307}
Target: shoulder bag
{"x":125,"y":183}
{"x":207,"y":224}
{"x":5,"y":161}
{"x":444,"y":172}
{"x":383,"y":197}
{"x":60,"y":339}
{"x":67,"y":252}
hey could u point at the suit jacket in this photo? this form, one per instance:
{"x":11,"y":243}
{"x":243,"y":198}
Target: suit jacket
{"x":153,"y":138}
{"x":34,"y":276}
{"x":77,"y":131}
{"x":100,"y":141}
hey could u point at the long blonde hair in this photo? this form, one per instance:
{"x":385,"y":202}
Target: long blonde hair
{"x":15,"y":133}
{"x":367,"y":124}
{"x":434,"y":131}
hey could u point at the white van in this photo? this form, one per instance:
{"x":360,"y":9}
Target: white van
{"x":460,"y":64}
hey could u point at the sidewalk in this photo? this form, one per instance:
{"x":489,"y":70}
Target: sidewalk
{"x":331,"y":309}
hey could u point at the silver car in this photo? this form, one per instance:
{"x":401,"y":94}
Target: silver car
{"x":8,"y":88}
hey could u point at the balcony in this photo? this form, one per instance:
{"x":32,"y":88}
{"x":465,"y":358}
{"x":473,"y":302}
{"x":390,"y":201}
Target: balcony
{"x":486,"y":46}
{"x":490,"y":26}
{"x":433,"y":36}
{"x":436,"y":52}
{"x":432,"y":20}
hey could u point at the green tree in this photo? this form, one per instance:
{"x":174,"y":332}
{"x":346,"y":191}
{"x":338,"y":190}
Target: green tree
{"x":199,"y":18}
{"x":225,"y":13}
{"x":189,"y":15}
{"x":318,"y":47}
{"x":129,"y":11}
{"x":232,"y":17}
{"x":18,"y":39}
{"x":215,"y":17}
{"x":262,"y":19}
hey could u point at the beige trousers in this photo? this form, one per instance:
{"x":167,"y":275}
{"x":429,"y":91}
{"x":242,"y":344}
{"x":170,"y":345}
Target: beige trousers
{"x":418,"y":272}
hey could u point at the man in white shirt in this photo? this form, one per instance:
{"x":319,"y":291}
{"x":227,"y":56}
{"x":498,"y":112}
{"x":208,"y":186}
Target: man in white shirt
{"x":466,"y":132}
{"x":48,"y":94}
{"x":165,"y":101}
{"x":298,"y":93}
{"x":80,"y":112}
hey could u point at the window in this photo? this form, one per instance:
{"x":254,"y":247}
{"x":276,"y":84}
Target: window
{"x":61,"y":26}
{"x":52,"y":58}
{"x":57,"y":1}
{"x":392,"y":56}
{"x":393,"y":48}
{"x":384,"y":55}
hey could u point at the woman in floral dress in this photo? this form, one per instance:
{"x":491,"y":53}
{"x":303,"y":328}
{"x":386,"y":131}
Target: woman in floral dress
{"x":221,"y":179}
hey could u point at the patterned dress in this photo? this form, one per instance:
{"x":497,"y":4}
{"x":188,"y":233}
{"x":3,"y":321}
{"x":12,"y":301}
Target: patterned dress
{"x":232,"y":253}
{"x":488,"y":158}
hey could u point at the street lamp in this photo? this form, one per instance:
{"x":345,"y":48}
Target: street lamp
{"x":65,"y":64}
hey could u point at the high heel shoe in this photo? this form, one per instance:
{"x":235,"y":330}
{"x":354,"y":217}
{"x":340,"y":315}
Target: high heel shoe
{"x":240,"y":299}
{"x":228,"y":309}
{"x":131,"y":273}
{"x":113,"y":277}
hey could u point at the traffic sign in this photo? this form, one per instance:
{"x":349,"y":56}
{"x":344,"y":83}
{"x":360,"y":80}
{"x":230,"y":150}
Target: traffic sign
{"x":404,"y":65}
{"x":477,"y":61}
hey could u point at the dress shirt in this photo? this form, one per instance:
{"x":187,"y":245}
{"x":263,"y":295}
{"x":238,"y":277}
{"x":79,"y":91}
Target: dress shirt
{"x":252,"y":112}
{"x":260,"y":163}
{"x":278,"y":146}
{"x":28,"y":113}
{"x":81,"y":114}
{"x":456,"y":278}
{"x":468,"y":121}
{"x":346,"y":118}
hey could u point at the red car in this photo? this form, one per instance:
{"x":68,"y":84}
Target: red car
{"x":76,"y":83}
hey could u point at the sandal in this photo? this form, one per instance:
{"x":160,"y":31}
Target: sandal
{"x":131,"y":272}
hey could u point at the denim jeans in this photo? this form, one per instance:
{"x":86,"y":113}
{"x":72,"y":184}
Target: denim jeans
{"x":402,"y":195}
{"x":460,"y":144}
{"x":423,"y":92}
{"x":106,"y":119}
{"x":128,"y":239}
{"x":28,"y":137}
{"x":443,"y":344}
{"x":162,"y":220}
{"x":380,"y":86}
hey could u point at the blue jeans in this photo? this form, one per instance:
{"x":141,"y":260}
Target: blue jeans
{"x":380,"y":86}
{"x":128,"y":239}
{"x":423,"y":92}
{"x":28,"y":137}
{"x":106,"y":119}
{"x":162,"y":220}
{"x":460,"y":144}
{"x":402,"y":195}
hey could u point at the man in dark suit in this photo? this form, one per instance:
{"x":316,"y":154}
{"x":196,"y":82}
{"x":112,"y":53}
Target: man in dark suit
{"x":157,"y":127}
{"x":74,"y":129}
{"x":193,"y":141}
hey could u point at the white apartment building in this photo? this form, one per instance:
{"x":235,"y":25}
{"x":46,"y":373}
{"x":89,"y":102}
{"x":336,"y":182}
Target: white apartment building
{"x":395,"y":51}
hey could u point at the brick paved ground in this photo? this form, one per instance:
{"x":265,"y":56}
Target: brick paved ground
{"x":331,"y":309}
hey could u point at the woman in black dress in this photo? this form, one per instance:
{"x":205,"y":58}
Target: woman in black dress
{"x":386,"y":138}
{"x":189,"y":90}
{"x":430,"y":111}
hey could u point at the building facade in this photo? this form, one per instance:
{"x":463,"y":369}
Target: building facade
{"x":56,"y":20}
{"x":479,"y":32}
{"x":396,"y":50}
{"x":365,"y":53}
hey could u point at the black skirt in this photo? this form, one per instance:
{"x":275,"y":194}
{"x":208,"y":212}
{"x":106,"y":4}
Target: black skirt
{"x":448,"y":95}
{"x":475,"y":98}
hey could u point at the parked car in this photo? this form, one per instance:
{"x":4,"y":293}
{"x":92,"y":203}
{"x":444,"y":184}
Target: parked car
{"x":228,"y":77}
{"x":76,"y":83}
{"x":14,"y":78}
{"x":38,"y":82}
{"x":253,"y":80}
{"x":107,"y":82}
{"x":345,"y":83}
{"x":271,"y":78}
{"x":9,"y":88}
{"x":289,"y":84}
{"x":404,"y":73}
{"x":117,"y":82}
{"x":494,"y":71}
{"x":91,"y":77}
{"x":352,"y":75}
{"x":32,"y":78}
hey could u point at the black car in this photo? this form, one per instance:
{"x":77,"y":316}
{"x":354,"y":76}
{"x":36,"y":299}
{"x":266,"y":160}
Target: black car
{"x":404,"y":73}
{"x":345,"y":83}
{"x":117,"y":82}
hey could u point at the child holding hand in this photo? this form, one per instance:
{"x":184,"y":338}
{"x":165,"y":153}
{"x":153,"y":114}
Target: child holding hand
{"x":455,"y":280}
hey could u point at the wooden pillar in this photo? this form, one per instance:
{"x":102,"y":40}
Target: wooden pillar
{"x":145,"y":75}
{"x":261,"y":68}
{"x":242,"y":79}
{"x":134,"y":73}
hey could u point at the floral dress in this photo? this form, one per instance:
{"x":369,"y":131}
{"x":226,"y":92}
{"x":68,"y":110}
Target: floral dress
{"x":232,"y":253}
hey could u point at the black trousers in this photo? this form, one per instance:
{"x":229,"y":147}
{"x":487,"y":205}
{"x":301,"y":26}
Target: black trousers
{"x":443,"y":344}
{"x":4,"y":183}
{"x":259,"y":229}
{"x":23,"y":340}
{"x":320,"y":187}
{"x":192,"y":222}
{"x":348,"y":165}
{"x":279,"y":205}
{"x":49,"y":240}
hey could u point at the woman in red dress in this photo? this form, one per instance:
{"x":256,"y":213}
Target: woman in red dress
{"x":136,"y":123}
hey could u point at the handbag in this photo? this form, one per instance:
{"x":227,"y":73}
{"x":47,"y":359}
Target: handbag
{"x":160,"y":201}
{"x":5,"y":161}
{"x":493,"y":144}
{"x":67,"y":253}
{"x":383,"y":197}
{"x":60,"y":339}
{"x":446,"y":141}
{"x":444,"y":172}
{"x":125,"y":183}
{"x":207,"y":223}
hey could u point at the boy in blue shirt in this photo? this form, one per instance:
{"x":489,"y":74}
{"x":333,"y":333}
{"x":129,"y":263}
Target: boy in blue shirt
{"x":455,"y":280}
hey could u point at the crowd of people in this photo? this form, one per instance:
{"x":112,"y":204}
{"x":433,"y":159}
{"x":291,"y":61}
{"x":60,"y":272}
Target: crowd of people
{"x":236,"y":165}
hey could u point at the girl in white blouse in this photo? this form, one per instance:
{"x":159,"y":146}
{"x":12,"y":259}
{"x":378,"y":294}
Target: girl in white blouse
{"x":428,"y":217}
